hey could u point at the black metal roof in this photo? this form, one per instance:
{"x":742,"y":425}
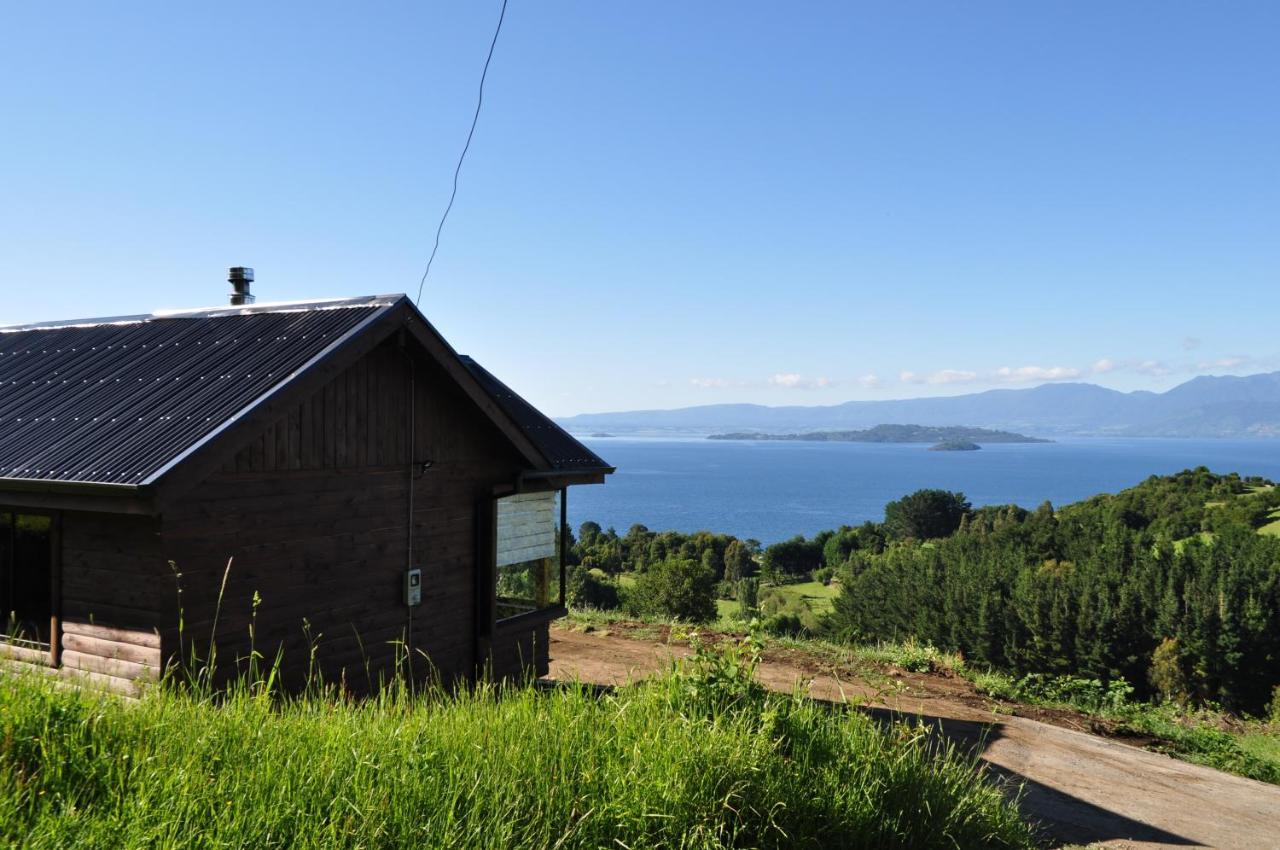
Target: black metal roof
{"x":117,"y":401}
{"x":562,"y":451}
{"x":121,"y":401}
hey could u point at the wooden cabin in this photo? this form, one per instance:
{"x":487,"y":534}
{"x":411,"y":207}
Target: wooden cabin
{"x":327,"y":481}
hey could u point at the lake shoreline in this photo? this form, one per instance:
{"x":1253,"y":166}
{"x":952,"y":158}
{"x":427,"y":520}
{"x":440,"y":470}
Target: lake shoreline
{"x":771,"y":491}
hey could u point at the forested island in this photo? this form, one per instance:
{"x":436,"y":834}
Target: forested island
{"x":939,"y":434}
{"x":955,"y":446}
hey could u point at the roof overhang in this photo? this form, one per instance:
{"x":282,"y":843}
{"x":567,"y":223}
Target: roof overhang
{"x":77,"y":496}
{"x":396,"y":314}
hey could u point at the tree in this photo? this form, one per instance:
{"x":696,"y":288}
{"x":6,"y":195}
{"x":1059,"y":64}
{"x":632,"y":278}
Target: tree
{"x":677,"y":588}
{"x":588,"y":532}
{"x":711,"y":562}
{"x":738,"y":563}
{"x":748,"y":598}
{"x":793,"y":557}
{"x":926,"y":514}
{"x":838,"y":546}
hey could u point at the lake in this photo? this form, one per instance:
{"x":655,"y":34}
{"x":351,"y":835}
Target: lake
{"x":774,"y":490}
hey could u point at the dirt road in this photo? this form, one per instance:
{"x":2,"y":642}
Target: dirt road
{"x":1082,"y":788}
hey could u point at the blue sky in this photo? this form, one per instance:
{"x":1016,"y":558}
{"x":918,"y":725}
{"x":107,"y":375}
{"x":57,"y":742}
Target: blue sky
{"x":674,"y":203}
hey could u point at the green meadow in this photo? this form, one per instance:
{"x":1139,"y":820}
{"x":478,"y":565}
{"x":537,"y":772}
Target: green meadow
{"x":699,"y":758}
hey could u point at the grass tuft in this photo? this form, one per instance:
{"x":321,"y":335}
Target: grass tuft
{"x":653,"y":764}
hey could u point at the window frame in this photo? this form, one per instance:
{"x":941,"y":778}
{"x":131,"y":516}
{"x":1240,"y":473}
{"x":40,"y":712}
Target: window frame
{"x":551,"y":612}
{"x":32,"y":652}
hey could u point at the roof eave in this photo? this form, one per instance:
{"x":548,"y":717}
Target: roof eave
{"x":94,"y":496}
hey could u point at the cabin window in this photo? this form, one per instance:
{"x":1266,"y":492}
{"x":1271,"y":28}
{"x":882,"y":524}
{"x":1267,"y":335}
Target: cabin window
{"x":26,"y":579}
{"x":529,"y":564}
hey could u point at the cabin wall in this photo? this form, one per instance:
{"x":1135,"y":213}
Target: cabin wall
{"x":116,"y":590}
{"x":520,"y":649}
{"x":313,"y":517}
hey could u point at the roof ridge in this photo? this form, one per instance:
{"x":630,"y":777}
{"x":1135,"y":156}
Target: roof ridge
{"x":225,"y":311}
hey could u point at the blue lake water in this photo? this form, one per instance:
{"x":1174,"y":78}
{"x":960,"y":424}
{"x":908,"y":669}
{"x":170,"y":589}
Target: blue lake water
{"x":771,"y":491}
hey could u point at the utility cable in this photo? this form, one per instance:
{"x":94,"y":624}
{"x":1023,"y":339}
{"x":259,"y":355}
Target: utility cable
{"x":458,"y":170}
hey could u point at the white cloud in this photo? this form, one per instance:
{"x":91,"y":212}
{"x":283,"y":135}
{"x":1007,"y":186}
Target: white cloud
{"x":870,"y":381}
{"x":942,"y":376}
{"x":1223,"y":363}
{"x":1026,"y":374}
{"x":794,"y":381}
{"x":1154,"y":368}
{"x":1105,"y":365}
{"x":709,"y":383}
{"x":952,"y":376}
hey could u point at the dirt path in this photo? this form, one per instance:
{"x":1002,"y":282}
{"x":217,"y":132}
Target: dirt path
{"x":1082,"y":788}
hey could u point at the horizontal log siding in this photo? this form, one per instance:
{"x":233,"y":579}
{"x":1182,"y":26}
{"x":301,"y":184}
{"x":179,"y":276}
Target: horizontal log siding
{"x":313,"y":517}
{"x":116,"y":592}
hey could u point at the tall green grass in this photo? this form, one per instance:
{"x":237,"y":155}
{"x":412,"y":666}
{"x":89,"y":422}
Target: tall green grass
{"x":684,"y":761}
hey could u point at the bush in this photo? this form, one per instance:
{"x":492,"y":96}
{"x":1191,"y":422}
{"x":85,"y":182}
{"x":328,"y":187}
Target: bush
{"x":1167,"y":676}
{"x":675,"y":588}
{"x":583,"y":589}
{"x":785,"y":625}
{"x":1082,"y":693}
{"x":748,"y":598}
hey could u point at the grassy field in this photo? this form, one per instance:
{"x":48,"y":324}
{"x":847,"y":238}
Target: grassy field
{"x":810,"y":598}
{"x":1273,"y":527}
{"x":693,"y":760}
{"x":817,"y":595}
{"x":1243,"y":746}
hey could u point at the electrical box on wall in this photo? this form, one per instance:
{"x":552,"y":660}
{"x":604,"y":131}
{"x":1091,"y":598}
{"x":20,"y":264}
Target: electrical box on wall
{"x":413,"y":587}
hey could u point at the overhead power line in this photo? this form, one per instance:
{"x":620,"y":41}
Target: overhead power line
{"x":462,"y":157}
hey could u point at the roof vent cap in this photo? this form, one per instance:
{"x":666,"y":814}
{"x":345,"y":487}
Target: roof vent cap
{"x":240,"y":278}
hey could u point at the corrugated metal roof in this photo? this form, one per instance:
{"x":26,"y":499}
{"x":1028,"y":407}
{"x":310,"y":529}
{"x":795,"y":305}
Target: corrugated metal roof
{"x":562,"y":451}
{"x":114,"y":401}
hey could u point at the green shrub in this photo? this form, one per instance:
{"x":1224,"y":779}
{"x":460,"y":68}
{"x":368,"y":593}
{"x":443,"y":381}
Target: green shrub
{"x":784,"y":625}
{"x":748,"y":598}
{"x":583,"y":589}
{"x":1167,"y":676}
{"x":677,"y":588}
{"x":1085,"y":694}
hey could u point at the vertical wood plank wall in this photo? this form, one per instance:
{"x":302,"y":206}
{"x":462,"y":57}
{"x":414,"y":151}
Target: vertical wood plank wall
{"x":313,"y":515}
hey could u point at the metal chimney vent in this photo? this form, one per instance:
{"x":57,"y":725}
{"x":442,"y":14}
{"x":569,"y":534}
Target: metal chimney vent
{"x":240,"y":277}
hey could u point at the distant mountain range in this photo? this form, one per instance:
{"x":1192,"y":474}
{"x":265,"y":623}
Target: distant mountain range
{"x":1207,"y":406}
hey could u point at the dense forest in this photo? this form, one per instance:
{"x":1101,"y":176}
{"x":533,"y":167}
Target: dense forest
{"x":1167,"y":585}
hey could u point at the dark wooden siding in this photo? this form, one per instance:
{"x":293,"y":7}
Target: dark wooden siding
{"x":520,"y":649}
{"x":313,"y":516}
{"x":116,"y":591}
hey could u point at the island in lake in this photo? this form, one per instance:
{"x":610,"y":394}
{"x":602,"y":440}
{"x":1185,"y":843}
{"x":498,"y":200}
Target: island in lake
{"x":939,"y":434}
{"x":955,"y":446}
